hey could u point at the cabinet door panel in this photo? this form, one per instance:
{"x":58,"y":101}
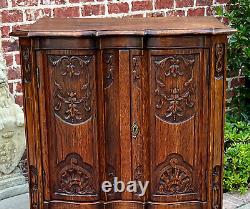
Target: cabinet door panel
{"x":178,"y":100}
{"x":71,"y":136}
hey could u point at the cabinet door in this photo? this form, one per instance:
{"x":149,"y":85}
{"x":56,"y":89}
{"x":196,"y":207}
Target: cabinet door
{"x":178,"y":124}
{"x":68,"y":118}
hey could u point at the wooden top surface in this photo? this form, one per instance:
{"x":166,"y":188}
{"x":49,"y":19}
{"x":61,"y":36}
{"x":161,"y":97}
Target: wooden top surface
{"x":126,"y":26}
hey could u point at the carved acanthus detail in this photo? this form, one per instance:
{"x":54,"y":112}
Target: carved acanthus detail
{"x":108,"y":69}
{"x":136,"y":70}
{"x":174,"y":90}
{"x":139,"y":176}
{"x":174,"y":176}
{"x":75,"y":177}
{"x":219,"y":60}
{"x":34,"y":187}
{"x":72,"y":103}
{"x":26,"y":65}
{"x":216,"y":202}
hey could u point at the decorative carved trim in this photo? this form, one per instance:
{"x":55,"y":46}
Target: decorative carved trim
{"x":219,"y":60}
{"x":34,"y":187}
{"x":139,"y":176}
{"x":136,"y":70}
{"x":174,"y":104}
{"x":110,"y":175}
{"x":216,"y":181}
{"x":75,"y":177}
{"x":26,"y":64}
{"x":174,"y":176}
{"x":108,"y":69}
{"x":72,"y":104}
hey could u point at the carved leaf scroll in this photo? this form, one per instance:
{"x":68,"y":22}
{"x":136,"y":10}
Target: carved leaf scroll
{"x":174,"y":176}
{"x":216,"y":202}
{"x":108,"y":69}
{"x":174,"y":90}
{"x":34,"y":187}
{"x":72,"y":87}
{"x":219,"y":60}
{"x":75,"y":177}
{"x":26,"y":64}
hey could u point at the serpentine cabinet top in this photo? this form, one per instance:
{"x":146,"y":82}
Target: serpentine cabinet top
{"x":159,"y":26}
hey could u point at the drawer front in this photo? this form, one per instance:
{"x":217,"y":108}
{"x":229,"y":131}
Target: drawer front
{"x":178,"y":124}
{"x":68,"y":115}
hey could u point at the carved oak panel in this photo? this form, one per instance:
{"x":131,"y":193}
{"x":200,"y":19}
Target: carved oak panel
{"x":219,"y":60}
{"x":174,"y":87}
{"x":72,"y":104}
{"x":75,"y":177}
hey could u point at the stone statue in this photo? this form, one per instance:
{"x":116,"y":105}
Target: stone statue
{"x":12,"y":135}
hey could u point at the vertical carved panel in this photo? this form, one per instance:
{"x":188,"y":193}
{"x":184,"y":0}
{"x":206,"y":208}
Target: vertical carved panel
{"x":174,"y":176}
{"x":136,"y":70}
{"x":34,"y":187}
{"x":216,"y":185}
{"x":25,"y":54}
{"x":75,"y":177}
{"x":174,"y":90}
{"x":139,"y":176}
{"x":72,"y":102}
{"x":219,"y":60}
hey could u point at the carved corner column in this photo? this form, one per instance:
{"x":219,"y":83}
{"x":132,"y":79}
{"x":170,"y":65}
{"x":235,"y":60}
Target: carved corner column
{"x":32,"y":125}
{"x":217,"y":112}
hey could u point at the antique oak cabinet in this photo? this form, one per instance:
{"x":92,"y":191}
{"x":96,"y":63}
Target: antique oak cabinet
{"x":138,"y":99}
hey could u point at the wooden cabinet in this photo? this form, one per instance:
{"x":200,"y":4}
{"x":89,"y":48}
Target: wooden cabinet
{"x":137,"y":99}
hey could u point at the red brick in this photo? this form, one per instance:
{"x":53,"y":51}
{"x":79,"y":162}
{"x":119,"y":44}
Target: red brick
{"x":242,"y":81}
{"x":230,"y":94}
{"x":14,"y":73}
{"x":17,"y":59}
{"x":142,"y":5}
{"x":24,"y":3}
{"x":3,"y":4}
{"x":9,"y":59}
{"x":19,"y":87}
{"x":67,"y":12}
{"x":33,"y":14}
{"x":5,"y":31}
{"x":204,"y":2}
{"x":235,"y":83}
{"x":176,"y":13}
{"x":79,"y":1}
{"x":164,"y":4}
{"x":61,"y":2}
{"x":10,"y":46}
{"x":118,"y":8}
{"x":89,"y":10}
{"x":19,"y":100}
{"x":184,"y":3}
{"x":210,"y":11}
{"x":196,"y":12}
{"x":12,"y":16}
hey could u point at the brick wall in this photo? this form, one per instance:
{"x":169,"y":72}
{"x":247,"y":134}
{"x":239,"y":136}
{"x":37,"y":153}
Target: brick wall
{"x":21,"y":12}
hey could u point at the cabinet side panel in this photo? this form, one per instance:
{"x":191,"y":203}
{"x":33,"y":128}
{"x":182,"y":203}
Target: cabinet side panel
{"x":28,"y":67}
{"x":217,"y":104}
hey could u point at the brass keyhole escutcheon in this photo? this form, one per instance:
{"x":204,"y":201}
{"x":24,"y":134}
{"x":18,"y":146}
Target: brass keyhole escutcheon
{"x":135,"y":130}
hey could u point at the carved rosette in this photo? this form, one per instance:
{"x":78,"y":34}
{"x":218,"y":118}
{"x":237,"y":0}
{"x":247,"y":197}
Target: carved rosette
{"x":75,"y":177}
{"x":72,"y":87}
{"x":25,"y":54}
{"x":216,"y":181}
{"x":34,"y":187}
{"x":219,"y":60}
{"x":174,"y":87}
{"x":108,"y":69}
{"x":174,"y":176}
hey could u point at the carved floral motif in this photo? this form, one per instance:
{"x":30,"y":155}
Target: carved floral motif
{"x":136,"y":70}
{"x":139,"y":176}
{"x":219,"y":60}
{"x":26,"y":65}
{"x":216,"y":187}
{"x":108,"y":69}
{"x":34,"y":187}
{"x":174,"y":90}
{"x":174,"y":176}
{"x":75,"y":177}
{"x":71,"y":103}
